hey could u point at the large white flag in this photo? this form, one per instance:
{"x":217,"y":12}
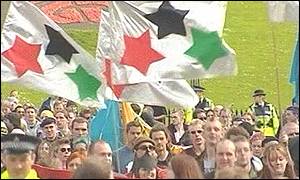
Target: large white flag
{"x":37,"y":53}
{"x":152,"y":41}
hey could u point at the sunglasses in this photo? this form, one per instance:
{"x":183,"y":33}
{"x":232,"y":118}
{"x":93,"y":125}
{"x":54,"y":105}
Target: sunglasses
{"x":144,"y":148}
{"x":65,"y":149}
{"x":198,"y":131}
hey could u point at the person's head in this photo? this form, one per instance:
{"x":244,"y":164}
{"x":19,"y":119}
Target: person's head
{"x":61,"y":119}
{"x":49,"y":128}
{"x":291,"y":129}
{"x":277,"y":162}
{"x":243,"y":151}
{"x":31,"y":114}
{"x":86,"y":113}
{"x":258,"y":96}
{"x":80,"y":143}
{"x":256,"y":144}
{"x":145,"y":167}
{"x":291,"y":114}
{"x":62,"y":149}
{"x":58,"y":106}
{"x":17,"y":154}
{"x":161,"y":136}
{"x":236,"y":131}
{"x":144,"y":145}
{"x":199,"y":114}
{"x":225,"y":154}
{"x":148,"y":115}
{"x":14,"y":93}
{"x":183,"y":166}
{"x":46,"y":113}
{"x":249,"y":117}
{"x":92,"y":169}
{"x":20,"y":109}
{"x":234,"y":172}
{"x":101,"y":149}
{"x":5,"y":107}
{"x":79,"y":127}
{"x":225,"y":117}
{"x":195,"y":130}
{"x":177,"y":117}
{"x":43,"y":149}
{"x":213,"y":132}
{"x":210,"y":115}
{"x":14,"y":118}
{"x":218,"y":109}
{"x":13,"y":102}
{"x":71,"y":117}
{"x":133,"y":130}
{"x":75,"y":160}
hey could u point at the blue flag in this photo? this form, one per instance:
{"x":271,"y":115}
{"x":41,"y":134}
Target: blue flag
{"x":294,"y":76}
{"x":106,"y":125}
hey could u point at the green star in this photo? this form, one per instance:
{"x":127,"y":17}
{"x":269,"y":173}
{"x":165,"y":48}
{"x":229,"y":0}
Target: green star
{"x":87,"y":84}
{"x":206,"y":48}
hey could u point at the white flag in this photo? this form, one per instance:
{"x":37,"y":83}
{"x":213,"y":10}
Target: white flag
{"x":153,"y":41}
{"x":37,"y":53}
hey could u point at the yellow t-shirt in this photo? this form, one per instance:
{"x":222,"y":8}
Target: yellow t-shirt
{"x":31,"y":175}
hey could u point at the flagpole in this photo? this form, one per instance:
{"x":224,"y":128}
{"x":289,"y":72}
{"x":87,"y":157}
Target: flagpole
{"x":277,"y":69}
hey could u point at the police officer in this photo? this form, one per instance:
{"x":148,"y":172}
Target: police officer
{"x":18,"y":155}
{"x":204,"y":102}
{"x":266,"y":117}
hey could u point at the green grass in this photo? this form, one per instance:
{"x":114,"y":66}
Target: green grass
{"x":248,"y":31}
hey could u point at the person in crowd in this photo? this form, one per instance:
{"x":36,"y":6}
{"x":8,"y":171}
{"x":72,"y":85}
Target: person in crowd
{"x":225,"y":117}
{"x":61,"y":152}
{"x":199,"y":114}
{"x":86,"y":113}
{"x":33,"y":123}
{"x":58,"y":106}
{"x":145,"y":167}
{"x":62,"y":123}
{"x":210,"y":115}
{"x":161,"y":137}
{"x":159,"y":113}
{"x":125,"y":154}
{"x":43,"y":151}
{"x":148,"y":116}
{"x":217,"y":109}
{"x":177,"y":128}
{"x":265,"y":114}
{"x":71,"y":116}
{"x":48,"y":104}
{"x":236,"y":121}
{"x":183,"y":166}
{"x":198,"y":143}
{"x":79,"y":127}
{"x":225,"y":154}
{"x":245,"y":157}
{"x":18,"y":155}
{"x":20,"y":109}
{"x":46,"y":113}
{"x":50,"y":131}
{"x":204,"y":102}
{"x":234,"y":172}
{"x":81,"y":144}
{"x":102,"y":149}
{"x":5,"y":107}
{"x":75,"y":160}
{"x":236,"y":131}
{"x":293,"y":147}
{"x":15,"y":119}
{"x":277,"y":163}
{"x":256,"y":144}
{"x":249,"y":117}
{"x":291,"y":114}
{"x":13,"y":102}
{"x":92,"y":169}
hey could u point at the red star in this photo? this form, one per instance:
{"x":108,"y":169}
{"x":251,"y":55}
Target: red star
{"x":138,"y":52}
{"x":117,"y":89}
{"x":24,"y":56}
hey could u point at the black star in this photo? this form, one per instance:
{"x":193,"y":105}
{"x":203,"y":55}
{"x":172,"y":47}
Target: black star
{"x":59,"y":45}
{"x":168,"y":19}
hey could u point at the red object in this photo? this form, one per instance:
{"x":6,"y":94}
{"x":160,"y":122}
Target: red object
{"x":138,"y":52}
{"x":51,"y":173}
{"x":24,"y":56}
{"x":117,"y":89}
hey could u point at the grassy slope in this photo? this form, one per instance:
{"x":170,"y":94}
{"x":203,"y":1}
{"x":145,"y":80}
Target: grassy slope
{"x":248,"y":32}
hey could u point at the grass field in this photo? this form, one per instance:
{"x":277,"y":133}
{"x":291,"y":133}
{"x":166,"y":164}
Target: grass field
{"x":262,"y":50}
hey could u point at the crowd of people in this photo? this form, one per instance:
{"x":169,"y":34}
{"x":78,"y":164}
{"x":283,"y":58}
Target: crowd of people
{"x":203,"y":142}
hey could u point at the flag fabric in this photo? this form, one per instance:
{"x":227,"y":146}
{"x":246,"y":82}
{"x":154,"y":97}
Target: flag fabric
{"x":294,"y":73}
{"x":159,"y":41}
{"x":177,"y":93}
{"x":107,"y":125}
{"x":37,"y":53}
{"x":279,"y":11}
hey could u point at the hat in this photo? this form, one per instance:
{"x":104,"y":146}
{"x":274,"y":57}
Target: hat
{"x":47,"y":120}
{"x":47,"y":113}
{"x":142,"y":139}
{"x":19,"y":143}
{"x":146,"y":161}
{"x":259,"y":92}
{"x":198,"y":88}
